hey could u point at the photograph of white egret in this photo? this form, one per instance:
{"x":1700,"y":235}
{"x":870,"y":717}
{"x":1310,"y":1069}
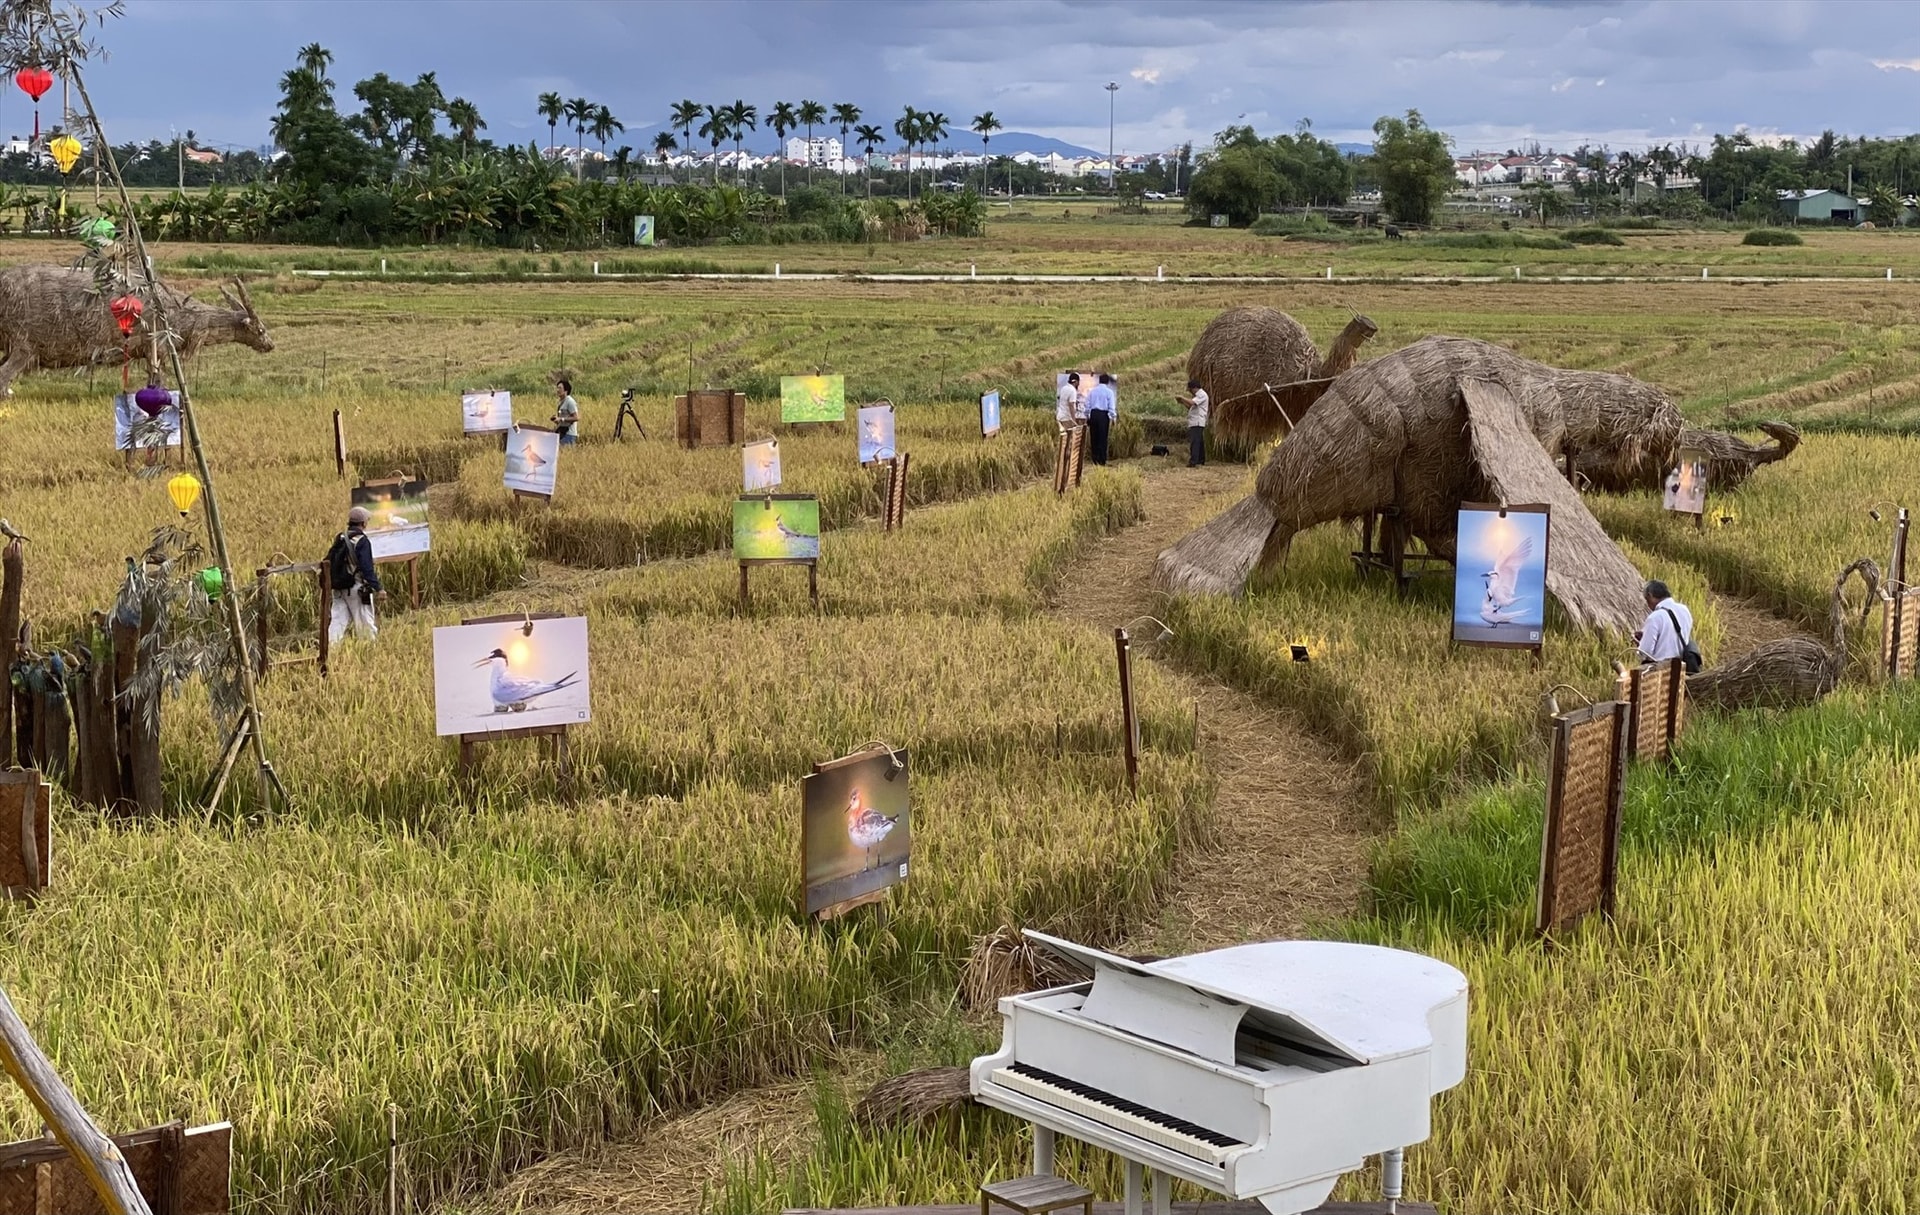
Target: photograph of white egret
{"x":1500,"y":575}
{"x":855,"y":830}
{"x":485,"y":413}
{"x":511,"y":675}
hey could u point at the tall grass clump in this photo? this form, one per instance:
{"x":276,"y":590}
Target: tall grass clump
{"x":1592,"y":236}
{"x":1771,"y":237}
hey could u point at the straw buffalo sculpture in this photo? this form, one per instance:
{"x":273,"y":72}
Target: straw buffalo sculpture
{"x":57,"y":317}
{"x":1261,"y":371}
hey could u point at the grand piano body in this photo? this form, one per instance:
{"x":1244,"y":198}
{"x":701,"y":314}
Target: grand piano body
{"x":1261,"y":1071}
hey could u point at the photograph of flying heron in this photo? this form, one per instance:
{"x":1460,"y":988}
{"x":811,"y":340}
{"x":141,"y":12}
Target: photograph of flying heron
{"x":1500,"y":576}
{"x":813,"y":398}
{"x":396,"y":517}
{"x":876,"y":433}
{"x":533,"y":458}
{"x":776,"y":528}
{"x":856,"y":831}
{"x":485,"y":413}
{"x":760,"y":465}
{"x":509,"y":676}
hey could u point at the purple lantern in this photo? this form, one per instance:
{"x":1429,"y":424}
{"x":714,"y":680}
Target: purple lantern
{"x":152,"y":399}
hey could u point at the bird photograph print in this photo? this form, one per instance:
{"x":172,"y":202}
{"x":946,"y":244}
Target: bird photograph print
{"x":989,"y":413}
{"x":855,"y":831}
{"x":153,"y":423}
{"x":396,"y":517}
{"x":483,"y":413}
{"x":1500,"y":576}
{"x":876,"y":433}
{"x":776,"y":528}
{"x":1686,"y":486}
{"x":510,"y":675}
{"x":813,"y":398}
{"x":533,"y":457}
{"x":760,"y":465}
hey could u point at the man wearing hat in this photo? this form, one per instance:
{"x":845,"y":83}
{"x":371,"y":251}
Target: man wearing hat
{"x":351,"y":574}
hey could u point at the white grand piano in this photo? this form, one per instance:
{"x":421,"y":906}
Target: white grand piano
{"x":1261,"y":1071}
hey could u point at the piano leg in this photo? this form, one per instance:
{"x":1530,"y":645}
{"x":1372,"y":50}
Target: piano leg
{"x":1162,"y":1194}
{"x":1136,"y":1178}
{"x":1042,"y":1150}
{"x":1392,"y":1166}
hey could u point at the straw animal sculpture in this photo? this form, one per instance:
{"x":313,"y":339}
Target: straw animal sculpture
{"x":1262,"y":372}
{"x":1793,"y":670}
{"x":1730,"y":458}
{"x":1423,"y":429}
{"x":55,"y":317}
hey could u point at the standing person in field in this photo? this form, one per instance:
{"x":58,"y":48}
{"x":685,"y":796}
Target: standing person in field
{"x":1102,"y":408}
{"x":1668,"y":632}
{"x":567,"y":416}
{"x":351,"y":574}
{"x":1067,"y":407}
{"x":1196,"y":423}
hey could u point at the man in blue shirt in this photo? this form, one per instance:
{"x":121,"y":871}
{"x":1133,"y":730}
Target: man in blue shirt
{"x":1102,"y":408}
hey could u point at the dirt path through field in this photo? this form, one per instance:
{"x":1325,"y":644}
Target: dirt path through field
{"x":1291,"y":821}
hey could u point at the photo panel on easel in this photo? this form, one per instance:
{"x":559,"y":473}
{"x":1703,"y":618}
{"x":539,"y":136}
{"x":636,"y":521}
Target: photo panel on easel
{"x":776,"y":527}
{"x":533,"y":461}
{"x":486,"y":413}
{"x":856,"y":829}
{"x":760,"y":465}
{"x":396,"y":516}
{"x":1500,"y":575}
{"x":876,"y":432}
{"x":813,"y":398}
{"x":510,"y":675}
{"x":1686,"y":484}
{"x":989,"y":414}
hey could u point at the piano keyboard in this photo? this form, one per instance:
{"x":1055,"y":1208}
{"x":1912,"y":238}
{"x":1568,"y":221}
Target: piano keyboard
{"x":1117,"y":1112}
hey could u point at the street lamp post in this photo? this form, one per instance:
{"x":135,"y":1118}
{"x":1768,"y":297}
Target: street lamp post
{"x":1112,"y":88}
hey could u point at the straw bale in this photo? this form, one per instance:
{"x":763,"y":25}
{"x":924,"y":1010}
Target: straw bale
{"x":1792,"y":670}
{"x":1005,"y":963}
{"x":1261,"y":370}
{"x":913,"y":1097}
{"x":1396,"y":431}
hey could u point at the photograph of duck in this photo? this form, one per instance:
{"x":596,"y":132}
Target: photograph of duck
{"x":1500,"y":576}
{"x":533,"y":457}
{"x":856,"y":827}
{"x":510,"y":675}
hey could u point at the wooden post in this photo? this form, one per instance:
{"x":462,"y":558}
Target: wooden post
{"x":393,"y":1160}
{"x":745,"y":602}
{"x":413,"y":584}
{"x":339,"y":444}
{"x":1129,"y":721}
{"x":1897,"y":574}
{"x":813,"y":583}
{"x":12,"y":586}
{"x":261,"y":601}
{"x":96,"y":1155}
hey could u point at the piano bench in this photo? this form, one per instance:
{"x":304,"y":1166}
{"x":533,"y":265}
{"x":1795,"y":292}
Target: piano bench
{"x":1036,"y":1195}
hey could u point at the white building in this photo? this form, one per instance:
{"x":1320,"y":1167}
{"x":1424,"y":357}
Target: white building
{"x":820,"y":150}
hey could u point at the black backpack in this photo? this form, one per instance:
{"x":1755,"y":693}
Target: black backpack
{"x":1689,"y":654}
{"x":341,"y":574}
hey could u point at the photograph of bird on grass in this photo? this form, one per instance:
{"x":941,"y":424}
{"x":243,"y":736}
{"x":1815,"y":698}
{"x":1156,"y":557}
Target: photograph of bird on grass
{"x":876,"y":433}
{"x":396,"y":517}
{"x":1500,"y":576}
{"x":505,"y":677}
{"x":813,"y":398}
{"x":776,"y":529}
{"x":856,"y":834}
{"x":533,"y":457}
{"x":485,"y":412}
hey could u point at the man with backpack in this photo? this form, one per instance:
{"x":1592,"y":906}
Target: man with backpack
{"x":351,"y":574}
{"x":1668,"y":632}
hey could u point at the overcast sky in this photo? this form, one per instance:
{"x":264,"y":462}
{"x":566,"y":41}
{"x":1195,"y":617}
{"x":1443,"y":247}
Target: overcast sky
{"x":1490,"y":74}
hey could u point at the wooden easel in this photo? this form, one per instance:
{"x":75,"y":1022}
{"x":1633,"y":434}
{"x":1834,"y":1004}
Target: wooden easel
{"x":1069,"y":458}
{"x":1389,"y":555}
{"x":813,"y":577}
{"x":556,"y":735}
{"x":339,"y":444}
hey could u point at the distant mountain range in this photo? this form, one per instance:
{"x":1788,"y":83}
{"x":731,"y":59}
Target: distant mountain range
{"x":1012,"y":143}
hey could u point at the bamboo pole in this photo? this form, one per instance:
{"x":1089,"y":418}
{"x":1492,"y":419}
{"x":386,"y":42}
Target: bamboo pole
{"x":95,"y":1155}
{"x":256,"y":735}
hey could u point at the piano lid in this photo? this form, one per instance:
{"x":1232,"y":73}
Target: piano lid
{"x":1365,"y":1002}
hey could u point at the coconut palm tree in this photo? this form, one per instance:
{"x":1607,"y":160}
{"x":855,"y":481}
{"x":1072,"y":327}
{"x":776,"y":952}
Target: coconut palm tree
{"x":663,"y":143}
{"x":846,"y":114}
{"x":717,"y":130}
{"x":870,"y":137}
{"x":812,"y":114}
{"x":782,"y":120}
{"x":605,"y":126}
{"x":464,"y":117}
{"x":685,"y":114}
{"x":984,"y":125}
{"x":553,"y":110}
{"x":741,"y":118}
{"x":907,"y":127}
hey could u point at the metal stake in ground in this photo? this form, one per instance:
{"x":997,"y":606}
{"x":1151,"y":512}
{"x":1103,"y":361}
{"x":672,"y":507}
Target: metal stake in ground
{"x":1129,"y":720}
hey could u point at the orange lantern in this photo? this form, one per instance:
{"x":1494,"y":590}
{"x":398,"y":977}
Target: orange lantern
{"x":126,"y":312}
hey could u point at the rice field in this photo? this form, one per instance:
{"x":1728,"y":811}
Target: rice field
{"x":534,"y":972}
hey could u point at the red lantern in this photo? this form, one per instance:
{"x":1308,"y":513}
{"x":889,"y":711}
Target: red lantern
{"x":126,"y":311}
{"x":34,"y":81}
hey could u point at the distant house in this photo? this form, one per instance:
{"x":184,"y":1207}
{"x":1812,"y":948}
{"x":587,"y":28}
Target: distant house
{"x":1820,"y":207}
{"x":204,"y":156}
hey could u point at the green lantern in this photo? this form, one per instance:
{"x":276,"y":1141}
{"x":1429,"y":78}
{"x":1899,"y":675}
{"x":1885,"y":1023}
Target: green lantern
{"x":97,"y":231}
{"x":212,"y":581}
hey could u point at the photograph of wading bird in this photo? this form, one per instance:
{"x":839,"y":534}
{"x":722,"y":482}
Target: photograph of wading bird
{"x":866,"y":827}
{"x":512,"y":694}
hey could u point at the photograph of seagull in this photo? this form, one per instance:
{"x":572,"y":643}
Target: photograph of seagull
{"x":1500,"y":575}
{"x":512,"y":694}
{"x":1503,"y":603}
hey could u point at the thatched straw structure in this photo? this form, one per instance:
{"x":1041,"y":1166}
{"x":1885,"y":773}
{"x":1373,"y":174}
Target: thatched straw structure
{"x":1423,"y":429}
{"x":1793,"y":670}
{"x":56,"y":316}
{"x":1730,"y":458}
{"x":1262,"y":372}
{"x":913,"y":1097}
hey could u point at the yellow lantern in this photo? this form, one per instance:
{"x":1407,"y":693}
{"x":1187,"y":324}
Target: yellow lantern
{"x":185,"y":491}
{"x":65,"y":150}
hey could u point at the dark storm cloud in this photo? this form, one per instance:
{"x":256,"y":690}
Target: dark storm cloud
{"x":1491,"y":74}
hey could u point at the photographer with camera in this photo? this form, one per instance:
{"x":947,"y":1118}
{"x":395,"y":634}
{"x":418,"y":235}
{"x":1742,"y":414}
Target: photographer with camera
{"x":567,"y":416}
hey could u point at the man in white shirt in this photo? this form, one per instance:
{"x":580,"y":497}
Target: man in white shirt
{"x":1067,"y":409}
{"x":1669,"y":626}
{"x":1102,"y":407}
{"x":1197,"y":407}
